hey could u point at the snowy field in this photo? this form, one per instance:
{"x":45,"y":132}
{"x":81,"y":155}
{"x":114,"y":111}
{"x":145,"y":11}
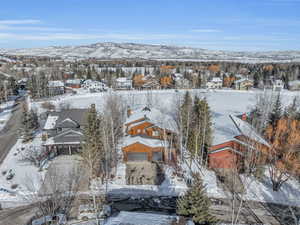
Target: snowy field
{"x":5,"y":113}
{"x":220,"y":101}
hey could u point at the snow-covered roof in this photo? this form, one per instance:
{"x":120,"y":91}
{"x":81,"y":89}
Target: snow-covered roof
{"x":240,"y":76}
{"x":223,"y":129}
{"x":123,"y":79}
{"x":73,"y":81}
{"x":278,"y":83}
{"x":178,"y":76}
{"x":23,"y":80}
{"x":243,"y":80}
{"x":55,"y":118}
{"x":50,"y":122}
{"x":154,"y":116}
{"x":227,"y":127}
{"x":294,"y":83}
{"x":216,"y":79}
{"x":145,"y":141}
{"x":246,"y":129}
{"x":93,"y":84}
{"x":55,"y":83}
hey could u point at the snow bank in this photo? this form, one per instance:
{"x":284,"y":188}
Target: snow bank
{"x":133,"y":218}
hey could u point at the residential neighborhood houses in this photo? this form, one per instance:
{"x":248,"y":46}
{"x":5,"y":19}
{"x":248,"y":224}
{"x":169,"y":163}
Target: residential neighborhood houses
{"x":175,"y":127}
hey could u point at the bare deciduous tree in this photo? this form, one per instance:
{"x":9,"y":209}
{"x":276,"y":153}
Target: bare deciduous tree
{"x":56,"y":192}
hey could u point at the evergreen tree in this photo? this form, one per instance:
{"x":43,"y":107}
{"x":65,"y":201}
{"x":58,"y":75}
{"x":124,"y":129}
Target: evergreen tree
{"x":200,"y":136}
{"x":195,"y":204}
{"x":92,"y":147}
{"x":13,"y":86}
{"x":27,"y":129}
{"x":89,"y":74}
{"x":276,"y":113}
{"x":33,"y":87}
{"x":256,"y":79}
{"x":33,"y":119}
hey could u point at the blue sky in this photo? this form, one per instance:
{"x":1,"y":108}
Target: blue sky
{"x":252,"y":25}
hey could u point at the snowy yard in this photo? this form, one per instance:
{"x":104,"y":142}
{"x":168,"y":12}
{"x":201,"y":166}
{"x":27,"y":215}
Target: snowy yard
{"x":25,"y":174}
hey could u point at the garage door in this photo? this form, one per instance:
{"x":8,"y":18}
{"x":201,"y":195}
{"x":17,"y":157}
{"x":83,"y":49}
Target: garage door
{"x":157,"y":156}
{"x":137,"y":156}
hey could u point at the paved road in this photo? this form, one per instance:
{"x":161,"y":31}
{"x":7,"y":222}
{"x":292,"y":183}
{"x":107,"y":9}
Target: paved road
{"x":9,"y":134}
{"x":17,"y":216}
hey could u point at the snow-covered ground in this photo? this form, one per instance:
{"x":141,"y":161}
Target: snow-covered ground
{"x":289,"y":193}
{"x":140,"y":219}
{"x":171,"y":186}
{"x":220,"y":101}
{"x":5,"y":113}
{"x":261,"y":191}
{"x":25,"y":176}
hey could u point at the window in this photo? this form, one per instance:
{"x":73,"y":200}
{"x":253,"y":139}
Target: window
{"x":155,"y":133}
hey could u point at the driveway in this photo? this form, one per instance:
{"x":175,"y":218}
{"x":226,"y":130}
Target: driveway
{"x":65,"y":172}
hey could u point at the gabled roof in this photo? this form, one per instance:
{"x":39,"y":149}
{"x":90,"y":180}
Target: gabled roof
{"x":73,"y":81}
{"x":243,"y":80}
{"x":154,"y":116}
{"x":139,"y":123}
{"x":55,"y":83}
{"x":151,"y":142}
{"x":216,"y":79}
{"x":70,"y":136}
{"x":247,"y":130}
{"x":68,"y":123}
{"x":228,"y":127}
{"x":56,"y":118}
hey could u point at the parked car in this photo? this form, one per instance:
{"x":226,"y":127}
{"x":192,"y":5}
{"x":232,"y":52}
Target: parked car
{"x":10,"y":175}
{"x":59,"y":219}
{"x":86,"y":212}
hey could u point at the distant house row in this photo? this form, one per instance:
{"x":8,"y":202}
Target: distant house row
{"x":240,"y":82}
{"x":57,"y":87}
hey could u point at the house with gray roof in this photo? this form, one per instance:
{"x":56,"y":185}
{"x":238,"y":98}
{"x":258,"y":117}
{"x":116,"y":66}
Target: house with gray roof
{"x":64,"y":131}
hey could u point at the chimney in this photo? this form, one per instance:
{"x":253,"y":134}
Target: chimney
{"x":244,"y":117}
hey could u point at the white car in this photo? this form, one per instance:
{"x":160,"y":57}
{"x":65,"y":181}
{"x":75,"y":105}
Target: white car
{"x":86,"y":212}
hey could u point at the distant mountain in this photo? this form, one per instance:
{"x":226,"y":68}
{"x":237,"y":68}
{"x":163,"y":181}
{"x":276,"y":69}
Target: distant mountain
{"x":110,"y":50}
